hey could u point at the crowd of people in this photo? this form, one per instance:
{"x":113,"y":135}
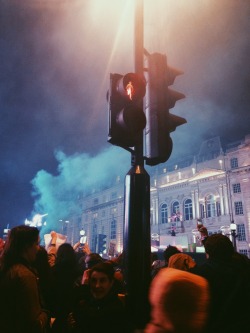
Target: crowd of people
{"x":68,"y":289}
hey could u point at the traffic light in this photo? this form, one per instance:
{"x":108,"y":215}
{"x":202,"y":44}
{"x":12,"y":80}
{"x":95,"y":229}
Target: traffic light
{"x":126,"y":117}
{"x":159,"y":99}
{"x":102,"y":243}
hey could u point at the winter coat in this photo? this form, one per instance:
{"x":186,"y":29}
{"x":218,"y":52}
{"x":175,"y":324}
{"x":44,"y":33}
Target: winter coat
{"x":21,"y":309}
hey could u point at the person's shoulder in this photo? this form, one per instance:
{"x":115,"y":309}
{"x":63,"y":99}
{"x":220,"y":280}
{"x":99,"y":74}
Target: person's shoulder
{"x":20,"y":269}
{"x":202,"y":269}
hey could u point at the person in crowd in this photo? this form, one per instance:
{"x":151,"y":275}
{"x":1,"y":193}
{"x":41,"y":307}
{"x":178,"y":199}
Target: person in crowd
{"x":168,"y":252}
{"x":91,"y":260}
{"x":82,"y":250}
{"x":118,"y":265}
{"x":67,"y":277}
{"x":229,"y":279}
{"x":46,"y":279}
{"x":179,"y":302}
{"x":99,"y":308}
{"x":156,"y":263}
{"x":181,"y":261}
{"x":2,"y":243}
{"x":21,"y":309}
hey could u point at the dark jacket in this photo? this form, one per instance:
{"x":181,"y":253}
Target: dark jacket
{"x":230,"y":295}
{"x":21,"y":309}
{"x":98,"y":316}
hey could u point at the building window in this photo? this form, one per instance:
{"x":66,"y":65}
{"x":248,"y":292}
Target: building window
{"x":218,"y":210}
{"x":211,"y":207}
{"x":96,"y":201}
{"x":241,"y":232}
{"x":188,"y":209}
{"x":234,"y":162}
{"x":113,"y":229}
{"x":202,"y":211}
{"x":164,"y":213}
{"x":211,"y":210}
{"x":175,"y":214}
{"x":238,"y":208}
{"x":236,"y":188}
{"x":244,"y":252}
{"x":113,"y":195}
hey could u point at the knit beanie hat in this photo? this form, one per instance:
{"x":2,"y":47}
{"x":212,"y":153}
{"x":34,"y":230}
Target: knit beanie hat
{"x":181,"y":261}
{"x":179,"y":302}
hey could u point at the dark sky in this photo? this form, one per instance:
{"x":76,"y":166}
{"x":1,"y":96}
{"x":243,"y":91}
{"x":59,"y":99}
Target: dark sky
{"x":55,"y":60}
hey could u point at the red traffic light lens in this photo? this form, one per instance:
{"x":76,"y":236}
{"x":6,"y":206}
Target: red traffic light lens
{"x":132,"y":86}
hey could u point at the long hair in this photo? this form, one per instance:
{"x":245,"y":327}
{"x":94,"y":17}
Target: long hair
{"x":19,"y":239}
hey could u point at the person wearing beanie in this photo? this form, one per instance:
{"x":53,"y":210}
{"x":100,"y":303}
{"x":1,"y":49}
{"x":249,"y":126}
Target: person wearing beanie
{"x":228,"y":276}
{"x":179,"y":302}
{"x":181,"y":261}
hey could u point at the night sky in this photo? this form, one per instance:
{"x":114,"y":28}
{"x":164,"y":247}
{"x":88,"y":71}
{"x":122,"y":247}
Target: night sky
{"x":55,"y":60}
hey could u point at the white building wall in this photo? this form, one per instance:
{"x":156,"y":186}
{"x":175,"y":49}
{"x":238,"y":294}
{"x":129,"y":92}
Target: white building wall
{"x":213,"y":176}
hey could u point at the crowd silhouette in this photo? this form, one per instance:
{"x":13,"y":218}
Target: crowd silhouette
{"x":68,"y":289}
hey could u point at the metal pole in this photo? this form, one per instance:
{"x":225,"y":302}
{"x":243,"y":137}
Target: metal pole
{"x":137,"y":243}
{"x":234,"y":239}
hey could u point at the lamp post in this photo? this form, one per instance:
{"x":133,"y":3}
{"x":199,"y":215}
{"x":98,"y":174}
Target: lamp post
{"x":233,"y":228}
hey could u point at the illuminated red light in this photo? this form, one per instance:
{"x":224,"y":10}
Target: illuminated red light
{"x":130,"y":90}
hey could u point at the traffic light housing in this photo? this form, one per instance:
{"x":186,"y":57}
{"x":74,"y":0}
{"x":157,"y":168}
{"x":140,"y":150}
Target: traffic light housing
{"x":126,"y":116}
{"x":102,"y":243}
{"x":159,"y":99}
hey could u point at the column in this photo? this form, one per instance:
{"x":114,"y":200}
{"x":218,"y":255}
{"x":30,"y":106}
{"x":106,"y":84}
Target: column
{"x":226,"y":199}
{"x":221,"y":200}
{"x":193,"y":204}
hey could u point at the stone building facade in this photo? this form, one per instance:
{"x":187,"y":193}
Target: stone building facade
{"x":213,"y":186}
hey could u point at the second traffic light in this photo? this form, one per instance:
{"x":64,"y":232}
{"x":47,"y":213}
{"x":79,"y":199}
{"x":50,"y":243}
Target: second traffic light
{"x":102,"y":243}
{"x":159,"y":99}
{"x":126,"y":117}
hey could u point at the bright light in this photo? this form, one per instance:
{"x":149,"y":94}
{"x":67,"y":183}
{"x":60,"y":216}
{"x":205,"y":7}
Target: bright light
{"x":233,"y":226}
{"x":36,"y":221}
{"x":130,"y":90}
{"x":82,"y":232}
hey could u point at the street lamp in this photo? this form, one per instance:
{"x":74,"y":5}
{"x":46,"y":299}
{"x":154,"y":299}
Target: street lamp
{"x":233,"y":228}
{"x":82,"y":237}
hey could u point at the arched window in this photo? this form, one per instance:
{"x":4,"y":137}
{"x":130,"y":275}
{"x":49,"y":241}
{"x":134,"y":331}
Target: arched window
{"x":175,"y":213}
{"x":113,"y":229}
{"x":212,"y":206}
{"x":164,"y":213}
{"x":188,"y":209}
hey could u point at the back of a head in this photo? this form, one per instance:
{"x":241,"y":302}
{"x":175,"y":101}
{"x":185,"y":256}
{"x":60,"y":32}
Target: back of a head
{"x":181,"y":261}
{"x":66,"y":254}
{"x":169,"y":251}
{"x":179,"y":302}
{"x":19,"y":239}
{"x":92,"y":259}
{"x":219,"y":248}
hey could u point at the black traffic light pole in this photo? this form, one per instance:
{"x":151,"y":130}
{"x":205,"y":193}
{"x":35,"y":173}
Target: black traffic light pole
{"x":137,"y":244}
